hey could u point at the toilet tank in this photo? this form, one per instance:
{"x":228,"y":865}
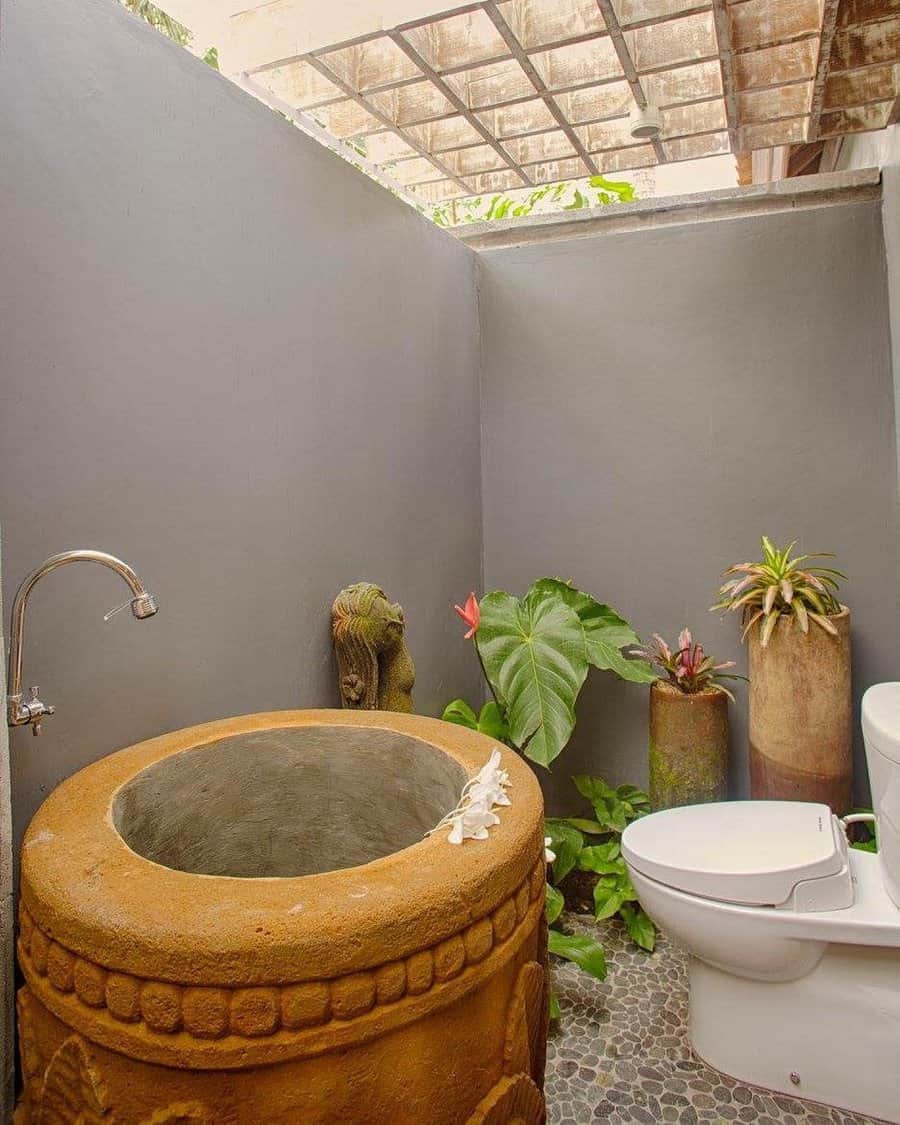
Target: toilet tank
{"x":881,"y":731}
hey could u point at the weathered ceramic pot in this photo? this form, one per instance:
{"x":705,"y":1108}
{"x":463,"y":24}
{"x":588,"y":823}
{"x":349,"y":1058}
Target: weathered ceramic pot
{"x":801,"y":714}
{"x":688,"y":746}
{"x":242,"y":922}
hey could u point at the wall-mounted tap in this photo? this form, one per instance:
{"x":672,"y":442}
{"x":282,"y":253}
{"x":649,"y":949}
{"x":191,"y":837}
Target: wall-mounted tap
{"x":20,"y":711}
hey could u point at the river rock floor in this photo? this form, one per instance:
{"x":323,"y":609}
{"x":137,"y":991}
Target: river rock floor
{"x":620,"y":1053}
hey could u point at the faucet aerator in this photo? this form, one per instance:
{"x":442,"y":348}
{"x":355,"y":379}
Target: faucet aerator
{"x":144,"y":605}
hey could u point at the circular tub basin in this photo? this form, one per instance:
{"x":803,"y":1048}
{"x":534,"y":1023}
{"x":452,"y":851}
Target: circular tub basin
{"x":245,"y":922}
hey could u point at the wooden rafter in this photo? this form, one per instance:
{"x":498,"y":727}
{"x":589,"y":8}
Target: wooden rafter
{"x":627,"y":63}
{"x":829,"y":23}
{"x":726,"y":66}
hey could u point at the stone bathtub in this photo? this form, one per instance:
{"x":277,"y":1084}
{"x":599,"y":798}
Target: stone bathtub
{"x":242,"y":922}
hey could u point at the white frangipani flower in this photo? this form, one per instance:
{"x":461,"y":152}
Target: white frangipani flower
{"x":473,"y":816}
{"x":549,"y":856}
{"x":472,"y":823}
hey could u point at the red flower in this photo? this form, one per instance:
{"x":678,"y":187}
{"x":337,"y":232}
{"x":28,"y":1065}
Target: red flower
{"x":470,"y":613}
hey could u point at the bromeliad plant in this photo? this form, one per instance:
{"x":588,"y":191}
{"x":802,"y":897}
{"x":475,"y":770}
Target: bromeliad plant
{"x":535,"y":653}
{"x":779,"y":585}
{"x":687,"y":667}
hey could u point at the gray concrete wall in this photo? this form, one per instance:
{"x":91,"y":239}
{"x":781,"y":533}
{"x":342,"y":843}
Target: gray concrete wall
{"x":653,"y":402}
{"x":231,"y":359}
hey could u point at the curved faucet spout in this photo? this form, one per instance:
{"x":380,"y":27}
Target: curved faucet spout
{"x":143,"y":604}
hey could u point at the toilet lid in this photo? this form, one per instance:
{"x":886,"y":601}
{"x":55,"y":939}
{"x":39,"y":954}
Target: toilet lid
{"x":749,"y":852}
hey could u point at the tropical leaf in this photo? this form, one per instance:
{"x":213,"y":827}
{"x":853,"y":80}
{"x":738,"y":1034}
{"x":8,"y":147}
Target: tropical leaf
{"x":492,"y":723}
{"x":605,"y":632}
{"x":608,"y":899}
{"x":585,"y":951}
{"x":602,"y":859}
{"x":534,"y":656}
{"x":589,"y":827}
{"x":566,"y":842}
{"x":489,"y":721}
{"x":554,"y":1005}
{"x":459,"y":712}
{"x":554,"y":904}
{"x":640,"y":929}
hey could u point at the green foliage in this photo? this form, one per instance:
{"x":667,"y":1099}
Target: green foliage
{"x":489,"y":721}
{"x":613,"y":892}
{"x":159,"y":19}
{"x":535,"y":653}
{"x":781,"y":586}
{"x":566,"y":843}
{"x":170,"y":27}
{"x":568,"y":195}
{"x":605,"y":632}
{"x":614,"y":808}
{"x":585,"y":951}
{"x":554,"y":905}
{"x":534,"y":656}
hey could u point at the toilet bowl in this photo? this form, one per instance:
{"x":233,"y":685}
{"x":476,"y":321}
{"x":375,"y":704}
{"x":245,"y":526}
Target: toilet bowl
{"x":794,"y":938}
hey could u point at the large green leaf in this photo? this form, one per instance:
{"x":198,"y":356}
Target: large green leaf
{"x":566,"y":843}
{"x":585,"y":951}
{"x":533,"y":653}
{"x":605,"y":632}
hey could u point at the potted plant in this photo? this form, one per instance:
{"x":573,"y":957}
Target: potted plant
{"x":801,"y":729}
{"x":688,"y":724}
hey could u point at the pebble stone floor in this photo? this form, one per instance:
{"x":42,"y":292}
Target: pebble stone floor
{"x":620,"y":1052}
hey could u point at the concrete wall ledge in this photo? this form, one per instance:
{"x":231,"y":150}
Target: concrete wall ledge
{"x":802,"y":192}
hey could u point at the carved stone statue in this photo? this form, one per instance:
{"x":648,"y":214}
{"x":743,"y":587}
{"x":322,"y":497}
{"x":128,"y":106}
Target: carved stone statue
{"x":375,"y":670}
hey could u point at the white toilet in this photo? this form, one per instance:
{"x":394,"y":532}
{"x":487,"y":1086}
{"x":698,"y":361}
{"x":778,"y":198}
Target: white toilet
{"x":794,"y":937}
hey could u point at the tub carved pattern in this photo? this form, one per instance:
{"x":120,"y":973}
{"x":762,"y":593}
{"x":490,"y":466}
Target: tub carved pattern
{"x":102,"y":1044}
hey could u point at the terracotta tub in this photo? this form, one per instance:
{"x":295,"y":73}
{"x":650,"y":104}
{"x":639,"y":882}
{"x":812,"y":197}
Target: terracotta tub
{"x":242,"y":922}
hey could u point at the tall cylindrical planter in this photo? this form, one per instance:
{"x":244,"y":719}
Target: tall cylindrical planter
{"x":688,"y":746}
{"x":801,"y":716}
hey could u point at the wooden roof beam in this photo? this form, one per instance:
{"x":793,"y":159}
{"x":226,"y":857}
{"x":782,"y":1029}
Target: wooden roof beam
{"x":829,"y":23}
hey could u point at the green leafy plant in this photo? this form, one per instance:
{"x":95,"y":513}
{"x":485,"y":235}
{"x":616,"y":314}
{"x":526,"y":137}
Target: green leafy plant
{"x":779,"y":585}
{"x":161,"y":20}
{"x":687,"y":667}
{"x":488,"y":721}
{"x":568,"y":195}
{"x":535,"y":653}
{"x":594,"y":847}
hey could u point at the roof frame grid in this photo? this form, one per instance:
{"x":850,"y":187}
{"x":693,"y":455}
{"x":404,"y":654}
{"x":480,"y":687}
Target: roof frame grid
{"x":466,"y":65}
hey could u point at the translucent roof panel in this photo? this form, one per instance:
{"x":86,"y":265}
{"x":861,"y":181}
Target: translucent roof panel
{"x":507,"y":95}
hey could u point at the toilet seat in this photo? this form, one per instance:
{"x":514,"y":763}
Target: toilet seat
{"x":788,"y":854}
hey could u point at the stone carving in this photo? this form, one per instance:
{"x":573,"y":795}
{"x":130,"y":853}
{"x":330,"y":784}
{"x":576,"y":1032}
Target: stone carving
{"x":513,"y":1101}
{"x":194,"y":999}
{"x":183,"y":1113}
{"x":74,"y":1092}
{"x":252,"y":1013}
{"x":375,"y":669}
{"x":525,"y":1025}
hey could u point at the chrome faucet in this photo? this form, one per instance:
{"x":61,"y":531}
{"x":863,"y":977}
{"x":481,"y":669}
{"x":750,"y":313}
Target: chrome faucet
{"x":20,"y":711}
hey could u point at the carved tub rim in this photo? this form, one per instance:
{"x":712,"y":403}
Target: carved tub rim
{"x":86,"y":890}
